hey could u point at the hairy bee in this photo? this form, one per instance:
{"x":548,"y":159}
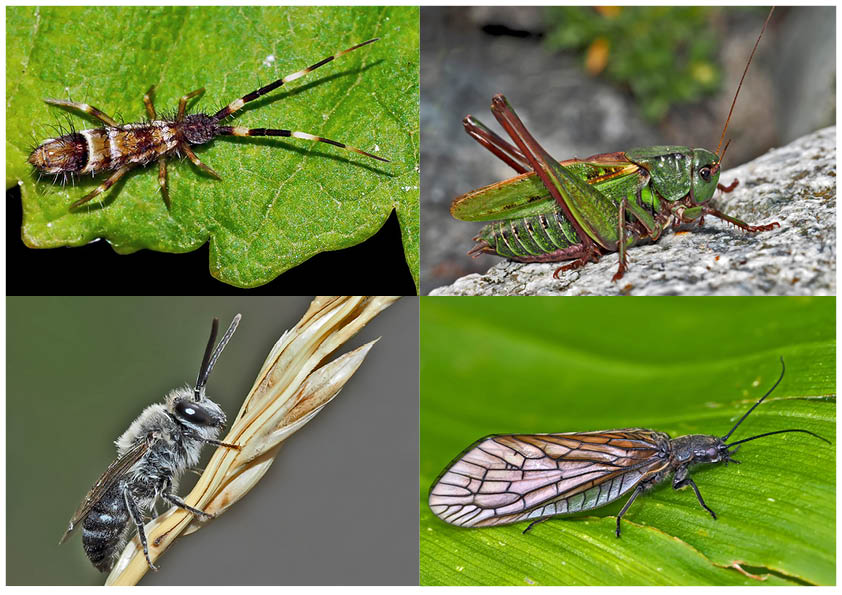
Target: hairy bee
{"x":164,"y":440}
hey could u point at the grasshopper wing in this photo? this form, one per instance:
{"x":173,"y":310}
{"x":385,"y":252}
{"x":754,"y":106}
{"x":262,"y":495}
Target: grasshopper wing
{"x":115,"y":471}
{"x":509,"y":478}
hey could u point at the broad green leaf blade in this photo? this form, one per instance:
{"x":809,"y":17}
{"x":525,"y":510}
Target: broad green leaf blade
{"x":280,"y":201}
{"x":682,"y":366}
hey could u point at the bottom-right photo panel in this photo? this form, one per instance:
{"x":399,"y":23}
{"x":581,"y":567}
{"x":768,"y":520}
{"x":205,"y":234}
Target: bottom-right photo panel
{"x":607,"y":441}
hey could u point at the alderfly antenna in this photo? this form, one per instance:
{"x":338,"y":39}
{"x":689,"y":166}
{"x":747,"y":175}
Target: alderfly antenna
{"x":209,"y":360}
{"x":728,"y":435}
{"x":769,"y":392}
{"x":737,"y":94}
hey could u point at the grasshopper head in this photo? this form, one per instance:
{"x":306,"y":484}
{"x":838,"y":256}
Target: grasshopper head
{"x":704,"y":175}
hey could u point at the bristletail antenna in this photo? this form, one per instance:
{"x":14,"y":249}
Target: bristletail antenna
{"x":737,"y":94}
{"x":769,"y":392}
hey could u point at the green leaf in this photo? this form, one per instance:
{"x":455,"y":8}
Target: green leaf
{"x":280,"y":201}
{"x":679,"y":365}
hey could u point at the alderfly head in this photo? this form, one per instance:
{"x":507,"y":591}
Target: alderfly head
{"x":704,"y":174}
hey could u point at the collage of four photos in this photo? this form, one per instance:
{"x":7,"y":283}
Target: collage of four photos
{"x":177,"y":188}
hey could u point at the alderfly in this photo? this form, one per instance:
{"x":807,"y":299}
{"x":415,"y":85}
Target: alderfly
{"x":508,"y":478}
{"x":119,"y":147}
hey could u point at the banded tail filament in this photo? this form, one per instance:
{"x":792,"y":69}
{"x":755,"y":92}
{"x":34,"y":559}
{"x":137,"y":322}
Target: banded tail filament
{"x":121,"y":147}
{"x":504,"y":479}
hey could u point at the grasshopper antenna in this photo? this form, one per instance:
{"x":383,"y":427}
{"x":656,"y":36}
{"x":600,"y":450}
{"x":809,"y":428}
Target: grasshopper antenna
{"x":737,"y":94}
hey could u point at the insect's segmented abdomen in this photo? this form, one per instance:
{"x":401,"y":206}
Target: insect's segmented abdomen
{"x":530,"y":236}
{"x":103,"y":528}
{"x":104,"y":149}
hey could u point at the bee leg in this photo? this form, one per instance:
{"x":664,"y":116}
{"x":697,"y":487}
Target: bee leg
{"x":533,"y":523}
{"x":682,"y":479}
{"x":131,"y":505}
{"x":640,"y":487}
{"x":167,"y":495}
{"x":218,"y":443}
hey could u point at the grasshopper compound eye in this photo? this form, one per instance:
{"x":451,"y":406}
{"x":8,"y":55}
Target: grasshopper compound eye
{"x":705,"y":173}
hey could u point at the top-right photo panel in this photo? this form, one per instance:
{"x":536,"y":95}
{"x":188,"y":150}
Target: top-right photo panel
{"x":628,"y":151}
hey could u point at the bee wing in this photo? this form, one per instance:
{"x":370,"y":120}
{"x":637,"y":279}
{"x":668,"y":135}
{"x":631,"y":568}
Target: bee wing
{"x":115,"y":470}
{"x":503,"y":479}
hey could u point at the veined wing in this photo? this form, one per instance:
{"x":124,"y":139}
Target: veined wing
{"x":509,"y":478}
{"x":114,"y":472}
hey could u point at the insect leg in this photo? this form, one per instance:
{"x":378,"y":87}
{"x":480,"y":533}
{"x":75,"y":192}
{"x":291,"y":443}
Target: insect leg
{"x":102,"y":187}
{"x":243,"y":131}
{"x":640,"y":487}
{"x":138,"y":521}
{"x":706,"y":210}
{"x":162,"y":180}
{"x":568,"y":191}
{"x":167,"y":495}
{"x":218,"y":443}
{"x":237,"y":104}
{"x":84,"y":107}
{"x":182,"y":103}
{"x":681,"y":479}
{"x":147,"y":101}
{"x":503,"y":150}
{"x":730,"y":187}
{"x":192,"y":156}
{"x":533,"y":523}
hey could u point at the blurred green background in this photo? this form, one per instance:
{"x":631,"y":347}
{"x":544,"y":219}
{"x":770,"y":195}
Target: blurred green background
{"x":679,"y":365}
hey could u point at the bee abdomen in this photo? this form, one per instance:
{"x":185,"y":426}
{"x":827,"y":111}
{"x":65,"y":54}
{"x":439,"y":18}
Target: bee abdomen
{"x":103,"y":528}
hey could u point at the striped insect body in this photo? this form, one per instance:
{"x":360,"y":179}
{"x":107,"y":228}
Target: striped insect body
{"x":118,"y":148}
{"x":508,"y":478}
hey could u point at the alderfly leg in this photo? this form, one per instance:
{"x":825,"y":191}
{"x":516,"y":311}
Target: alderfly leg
{"x":85,"y":108}
{"x":501,"y":149}
{"x":637,"y":491}
{"x":533,"y":523}
{"x":676,"y":484}
{"x":182,"y":103}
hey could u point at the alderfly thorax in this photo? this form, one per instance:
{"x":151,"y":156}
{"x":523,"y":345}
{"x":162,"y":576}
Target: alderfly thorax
{"x":697,"y":448}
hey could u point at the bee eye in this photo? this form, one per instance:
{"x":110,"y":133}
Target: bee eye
{"x":193,"y":413}
{"x":705,"y":174}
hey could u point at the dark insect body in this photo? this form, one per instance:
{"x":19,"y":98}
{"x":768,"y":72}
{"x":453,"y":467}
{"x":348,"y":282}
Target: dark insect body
{"x":581,"y":209}
{"x":122,"y":147}
{"x":502,"y":479}
{"x":164,"y":441}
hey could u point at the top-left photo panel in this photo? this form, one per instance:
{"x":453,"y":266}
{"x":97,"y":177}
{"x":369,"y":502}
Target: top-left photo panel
{"x":212,"y":149}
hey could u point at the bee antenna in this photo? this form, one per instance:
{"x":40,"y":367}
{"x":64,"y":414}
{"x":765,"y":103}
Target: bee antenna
{"x":783,"y":369}
{"x":211,"y":355}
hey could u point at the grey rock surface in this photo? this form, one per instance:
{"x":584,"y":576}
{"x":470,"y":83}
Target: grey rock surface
{"x":794,"y":185}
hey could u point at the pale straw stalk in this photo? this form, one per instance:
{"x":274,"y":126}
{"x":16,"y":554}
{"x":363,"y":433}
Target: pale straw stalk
{"x":293,"y":385}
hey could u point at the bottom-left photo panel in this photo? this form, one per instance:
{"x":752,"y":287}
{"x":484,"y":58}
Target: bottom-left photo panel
{"x":145,"y":435}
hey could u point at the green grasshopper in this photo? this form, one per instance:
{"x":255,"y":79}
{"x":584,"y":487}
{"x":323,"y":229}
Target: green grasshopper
{"x":580,"y":209}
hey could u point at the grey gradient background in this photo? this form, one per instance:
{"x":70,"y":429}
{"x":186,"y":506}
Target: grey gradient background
{"x":338,"y":506}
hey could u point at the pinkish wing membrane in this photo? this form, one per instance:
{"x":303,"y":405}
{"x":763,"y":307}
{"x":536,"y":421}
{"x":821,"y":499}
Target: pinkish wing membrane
{"x":504,"y":479}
